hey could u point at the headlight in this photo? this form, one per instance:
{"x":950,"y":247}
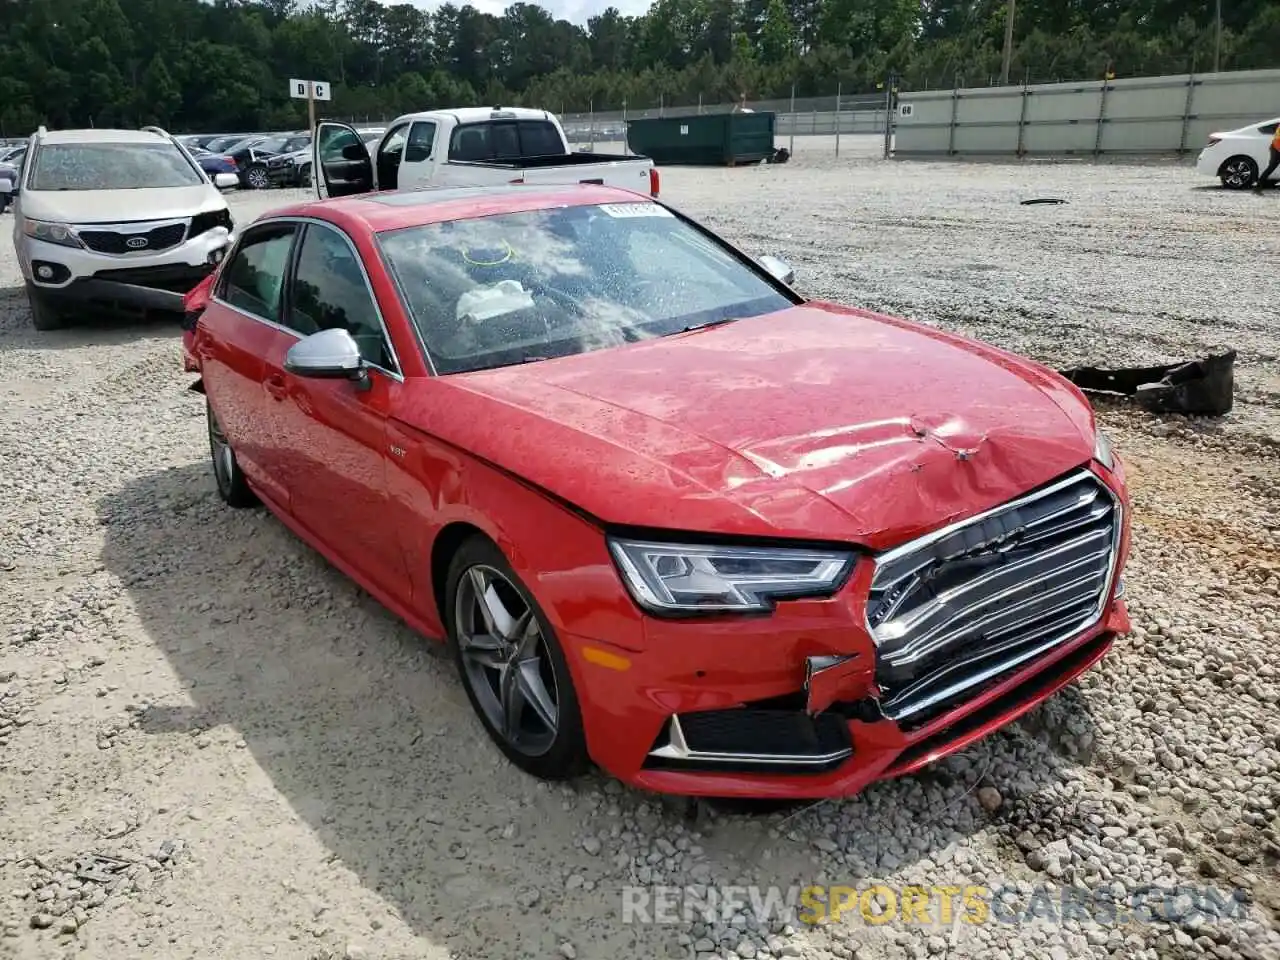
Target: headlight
{"x":58,"y":233}
{"x":1102,"y":451}
{"x":677,"y":578}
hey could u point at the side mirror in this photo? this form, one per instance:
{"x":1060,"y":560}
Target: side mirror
{"x":780,"y":270}
{"x":225,"y":181}
{"x":327,"y":355}
{"x":355,"y":151}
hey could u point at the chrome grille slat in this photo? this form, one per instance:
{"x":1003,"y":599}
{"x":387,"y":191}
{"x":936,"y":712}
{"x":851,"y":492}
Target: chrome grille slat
{"x":943,"y":602}
{"x":1085,"y":499}
{"x":980,"y":667}
{"x":992,"y":592}
{"x":1070,"y":590}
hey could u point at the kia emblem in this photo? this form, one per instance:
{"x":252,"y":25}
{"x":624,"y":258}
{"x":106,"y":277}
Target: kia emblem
{"x":136,"y":243}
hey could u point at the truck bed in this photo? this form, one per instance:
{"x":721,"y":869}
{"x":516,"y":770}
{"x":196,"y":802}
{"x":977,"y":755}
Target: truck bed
{"x":551,"y":160}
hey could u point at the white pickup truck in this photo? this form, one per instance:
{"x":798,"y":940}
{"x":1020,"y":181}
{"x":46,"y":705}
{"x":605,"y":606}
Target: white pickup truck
{"x":468,"y":147}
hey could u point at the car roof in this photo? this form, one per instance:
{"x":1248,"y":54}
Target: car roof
{"x":394,"y":210}
{"x":100,"y":136}
{"x":479,"y":114}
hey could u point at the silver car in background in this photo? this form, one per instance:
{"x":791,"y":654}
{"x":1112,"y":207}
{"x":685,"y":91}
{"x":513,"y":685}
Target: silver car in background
{"x":114,"y":219}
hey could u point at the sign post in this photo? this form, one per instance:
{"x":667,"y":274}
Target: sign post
{"x":310,"y":91}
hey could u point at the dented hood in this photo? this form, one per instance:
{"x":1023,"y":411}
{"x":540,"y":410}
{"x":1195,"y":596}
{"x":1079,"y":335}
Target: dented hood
{"x":816,"y":422}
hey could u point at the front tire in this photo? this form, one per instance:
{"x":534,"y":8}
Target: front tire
{"x":256,"y":178}
{"x":44,"y":315}
{"x":512,"y":666}
{"x":1238,"y":173}
{"x":232,"y":486}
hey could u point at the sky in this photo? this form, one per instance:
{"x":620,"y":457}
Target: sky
{"x":575,"y":11}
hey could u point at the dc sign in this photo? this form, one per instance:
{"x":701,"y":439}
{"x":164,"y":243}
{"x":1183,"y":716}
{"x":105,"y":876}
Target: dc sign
{"x":309,"y":90}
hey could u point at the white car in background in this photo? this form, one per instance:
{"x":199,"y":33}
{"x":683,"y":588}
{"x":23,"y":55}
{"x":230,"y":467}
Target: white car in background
{"x":1238,"y":156}
{"x":114,"y":218}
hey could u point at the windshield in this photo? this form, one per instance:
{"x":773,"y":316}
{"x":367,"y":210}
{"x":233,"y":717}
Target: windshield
{"x":112,"y":166}
{"x":512,"y":288}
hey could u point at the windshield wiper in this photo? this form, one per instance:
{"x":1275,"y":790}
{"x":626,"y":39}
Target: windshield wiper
{"x":708,"y":323}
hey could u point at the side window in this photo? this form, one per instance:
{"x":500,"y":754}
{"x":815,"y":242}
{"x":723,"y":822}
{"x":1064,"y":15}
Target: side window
{"x":538,"y":138}
{"x":329,"y":290}
{"x":253,"y":279}
{"x":1269,"y":129}
{"x":333,"y":140}
{"x":421,"y":137}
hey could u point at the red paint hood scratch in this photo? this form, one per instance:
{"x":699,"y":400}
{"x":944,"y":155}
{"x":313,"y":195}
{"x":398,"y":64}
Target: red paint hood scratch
{"x":817,"y":422}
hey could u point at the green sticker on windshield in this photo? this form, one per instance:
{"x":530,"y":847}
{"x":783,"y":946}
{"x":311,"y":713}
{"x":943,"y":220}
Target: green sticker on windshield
{"x":641,"y":209}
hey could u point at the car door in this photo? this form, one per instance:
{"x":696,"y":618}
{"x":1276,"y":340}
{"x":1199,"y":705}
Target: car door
{"x":337,"y":434}
{"x":342,"y":162}
{"x":419,"y":150}
{"x":388,"y":156}
{"x":1262,"y":144}
{"x":237,"y":331}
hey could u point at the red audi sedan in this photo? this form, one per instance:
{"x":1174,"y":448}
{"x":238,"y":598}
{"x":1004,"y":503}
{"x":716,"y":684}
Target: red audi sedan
{"x":670,"y":516}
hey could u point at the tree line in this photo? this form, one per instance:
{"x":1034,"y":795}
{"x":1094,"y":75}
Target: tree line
{"x":223,"y":64}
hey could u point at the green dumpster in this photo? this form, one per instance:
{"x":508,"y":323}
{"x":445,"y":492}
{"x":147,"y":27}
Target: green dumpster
{"x":706,"y":140}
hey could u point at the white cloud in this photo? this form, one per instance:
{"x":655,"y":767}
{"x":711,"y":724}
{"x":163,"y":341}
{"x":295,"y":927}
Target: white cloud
{"x":575,"y":11}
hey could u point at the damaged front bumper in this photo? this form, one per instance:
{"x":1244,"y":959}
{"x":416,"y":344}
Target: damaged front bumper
{"x":901,"y":668}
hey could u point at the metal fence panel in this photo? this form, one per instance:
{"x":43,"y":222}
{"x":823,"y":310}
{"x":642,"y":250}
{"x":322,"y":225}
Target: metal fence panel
{"x":1142,"y":115}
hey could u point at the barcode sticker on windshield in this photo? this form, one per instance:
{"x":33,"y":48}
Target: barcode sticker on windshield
{"x":635,"y":210}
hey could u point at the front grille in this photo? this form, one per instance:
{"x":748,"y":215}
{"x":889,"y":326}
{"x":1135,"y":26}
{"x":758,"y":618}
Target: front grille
{"x":117,"y":241}
{"x":958,"y":608}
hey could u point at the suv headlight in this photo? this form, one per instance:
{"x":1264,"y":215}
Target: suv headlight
{"x":1102,"y":451}
{"x":58,"y":233}
{"x":690,"y":578}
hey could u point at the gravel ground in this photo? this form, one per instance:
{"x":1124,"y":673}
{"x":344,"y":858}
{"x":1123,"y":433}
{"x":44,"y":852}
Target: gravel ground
{"x":282,"y":769}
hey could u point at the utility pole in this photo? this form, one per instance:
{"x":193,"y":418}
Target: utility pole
{"x":1217,"y":39}
{"x":1008,"y":44}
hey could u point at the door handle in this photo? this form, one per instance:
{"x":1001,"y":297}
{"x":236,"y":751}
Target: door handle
{"x":277,"y":387}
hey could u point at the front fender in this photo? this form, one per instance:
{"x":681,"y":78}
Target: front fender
{"x":558,"y":553}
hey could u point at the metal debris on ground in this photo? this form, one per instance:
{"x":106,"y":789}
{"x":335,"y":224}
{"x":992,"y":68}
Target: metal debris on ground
{"x":1203,"y":387}
{"x":100,"y":868}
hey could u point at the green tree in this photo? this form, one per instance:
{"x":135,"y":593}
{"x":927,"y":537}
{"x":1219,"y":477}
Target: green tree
{"x":159,"y":94}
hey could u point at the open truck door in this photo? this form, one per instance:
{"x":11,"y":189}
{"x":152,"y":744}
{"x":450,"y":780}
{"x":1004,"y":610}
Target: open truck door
{"x":341,"y":161}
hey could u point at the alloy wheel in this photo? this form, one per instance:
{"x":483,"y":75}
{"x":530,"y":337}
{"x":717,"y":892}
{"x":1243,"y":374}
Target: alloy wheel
{"x":1238,"y":173}
{"x":506,"y":659}
{"x":257,"y":178}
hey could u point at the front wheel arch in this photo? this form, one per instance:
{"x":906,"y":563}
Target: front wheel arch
{"x":448,"y":541}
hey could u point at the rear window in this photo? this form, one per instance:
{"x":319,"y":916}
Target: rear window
{"x":505,"y":140}
{"x":112,"y":166}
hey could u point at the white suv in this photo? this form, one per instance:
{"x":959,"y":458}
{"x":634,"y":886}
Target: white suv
{"x":114,"y":218}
